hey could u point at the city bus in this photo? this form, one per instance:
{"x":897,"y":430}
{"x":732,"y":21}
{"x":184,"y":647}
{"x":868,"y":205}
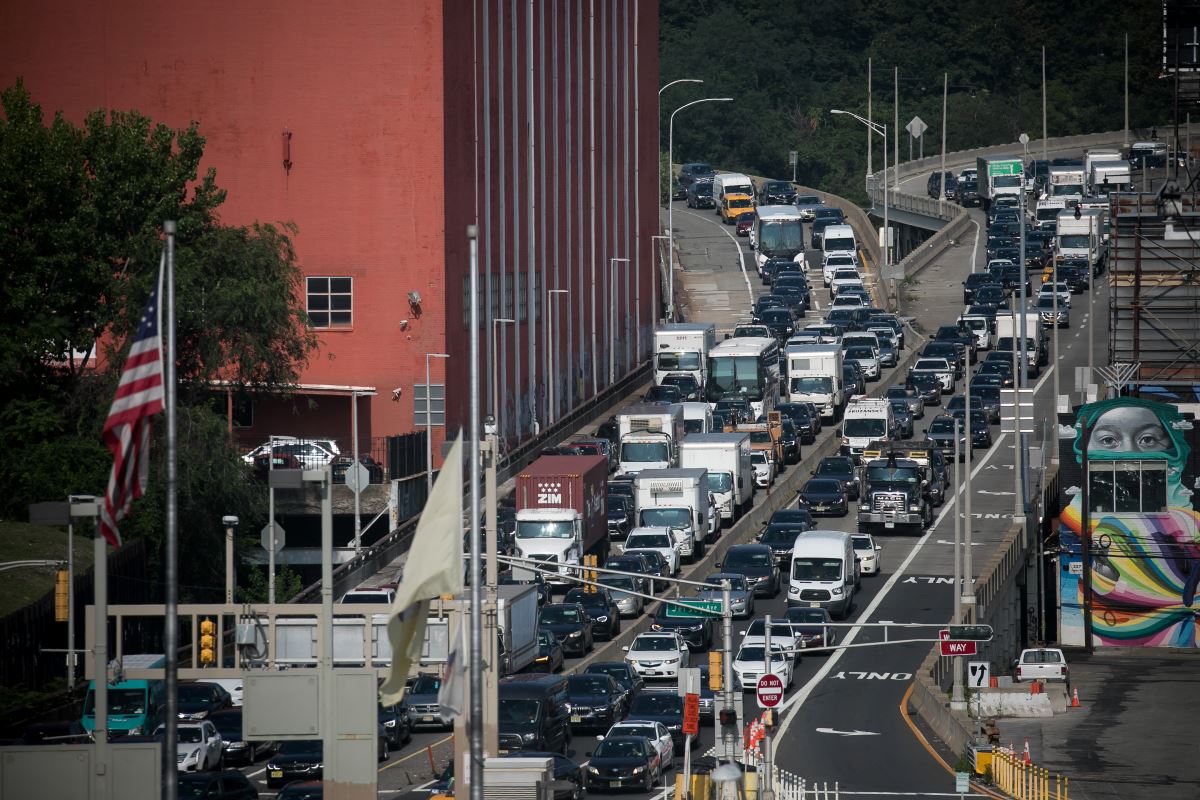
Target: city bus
{"x":778,"y":233}
{"x":745,"y":368}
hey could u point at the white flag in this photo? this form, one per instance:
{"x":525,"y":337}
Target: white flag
{"x":434,"y":567}
{"x":450,"y":695}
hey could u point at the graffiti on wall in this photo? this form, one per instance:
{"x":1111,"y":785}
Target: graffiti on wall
{"x":1145,"y":545}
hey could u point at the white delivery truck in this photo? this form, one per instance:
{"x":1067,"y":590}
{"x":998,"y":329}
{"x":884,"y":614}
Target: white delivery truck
{"x":999,"y":176}
{"x":866,"y":420}
{"x":682,"y":348}
{"x":1008,"y":326}
{"x":726,"y":456}
{"x":838,"y":240}
{"x":1045,"y":213}
{"x":1106,"y":177}
{"x":650,"y":434}
{"x":697,"y":418}
{"x":824,"y":573}
{"x":730,"y":183}
{"x":675,"y":499}
{"x":814,"y":374}
{"x":1081,"y":238}
{"x":1094,"y":156}
{"x":1066,"y":182}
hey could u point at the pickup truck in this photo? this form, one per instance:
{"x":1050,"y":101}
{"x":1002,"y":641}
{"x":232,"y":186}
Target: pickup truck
{"x":939,"y":368}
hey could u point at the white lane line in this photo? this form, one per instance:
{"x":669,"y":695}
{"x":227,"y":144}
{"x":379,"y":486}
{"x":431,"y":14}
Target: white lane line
{"x":975,"y":247}
{"x":737,"y":246}
{"x":802,"y":695}
{"x":256,"y":774}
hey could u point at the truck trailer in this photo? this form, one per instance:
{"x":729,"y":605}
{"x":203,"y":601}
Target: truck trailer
{"x":562,"y":512}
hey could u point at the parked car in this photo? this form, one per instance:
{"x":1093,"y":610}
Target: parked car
{"x":311,"y":453}
{"x":1041,"y":664}
{"x":343,"y":463}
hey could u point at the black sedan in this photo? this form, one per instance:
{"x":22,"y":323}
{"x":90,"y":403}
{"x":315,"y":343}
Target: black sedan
{"x":199,"y":699}
{"x":300,"y":760}
{"x":779,"y":321}
{"x":941,"y":433}
{"x":665,"y":707}
{"x":620,"y":671}
{"x":698,"y":633}
{"x":550,"y":653}
{"x":757,"y":563}
{"x":567,"y":774}
{"x":825,"y":497}
{"x":902,"y":413}
{"x":839,"y":468}
{"x":781,"y":538}
{"x":802,"y":416}
{"x":601,"y":610}
{"x":928,"y":387}
{"x":237,"y":749}
{"x":595,"y":701}
{"x":570,"y":625}
{"x":981,"y":429}
{"x":621,"y":762}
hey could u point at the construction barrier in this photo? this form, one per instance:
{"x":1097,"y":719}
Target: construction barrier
{"x":1015,"y":774}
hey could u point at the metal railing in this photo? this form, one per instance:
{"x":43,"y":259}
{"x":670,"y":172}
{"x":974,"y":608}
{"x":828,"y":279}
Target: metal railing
{"x":1024,"y":780}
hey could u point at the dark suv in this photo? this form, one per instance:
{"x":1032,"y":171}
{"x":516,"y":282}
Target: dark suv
{"x":700,"y":195}
{"x":775,"y":193}
{"x":533,"y":713}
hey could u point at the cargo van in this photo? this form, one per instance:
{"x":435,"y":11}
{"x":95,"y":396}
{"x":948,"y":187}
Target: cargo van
{"x":533,"y":713}
{"x":730,"y":183}
{"x":824,"y":572}
{"x":838,"y":240}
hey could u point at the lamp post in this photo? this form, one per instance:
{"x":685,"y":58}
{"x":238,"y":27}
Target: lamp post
{"x":658,"y":117}
{"x":429,"y":423}
{"x":657,"y":275}
{"x":881,"y":129}
{"x":670,"y":205}
{"x":230,"y":522}
{"x":496,"y":411}
{"x":612,"y":317}
{"x":552,"y":376}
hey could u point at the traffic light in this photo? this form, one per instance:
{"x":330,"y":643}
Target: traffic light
{"x":716,"y":675}
{"x":207,"y":648}
{"x":768,"y":719}
{"x":728,"y":716}
{"x":61,"y":608}
{"x":971,"y":633}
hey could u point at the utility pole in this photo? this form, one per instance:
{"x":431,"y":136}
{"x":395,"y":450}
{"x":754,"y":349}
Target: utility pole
{"x":728,"y":737}
{"x":958,"y":698}
{"x":942,"y":180}
{"x":767,"y":776}
{"x":491,"y":675}
{"x":870,"y":128}
{"x":1085,"y":537}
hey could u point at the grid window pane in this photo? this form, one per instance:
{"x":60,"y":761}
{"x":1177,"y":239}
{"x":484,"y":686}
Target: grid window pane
{"x":339,"y":302}
{"x":320,"y":285}
{"x":339,"y":285}
{"x":327,"y":295}
{"x":318,"y":302}
{"x":340,"y":319}
{"x":318,"y":319}
{"x":1154,"y":491}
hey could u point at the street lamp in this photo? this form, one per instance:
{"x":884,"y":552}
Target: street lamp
{"x":654,"y":284}
{"x":495,"y":373}
{"x":612,"y":317}
{"x":881,"y":129}
{"x":659,"y":118}
{"x":670,"y":205}
{"x":552,"y":378}
{"x":230,"y":522}
{"x":429,"y":422}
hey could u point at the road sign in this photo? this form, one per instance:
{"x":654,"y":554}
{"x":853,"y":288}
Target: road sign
{"x":695,"y":609}
{"x":792,"y":157}
{"x":691,"y":715}
{"x":358,"y":477}
{"x":917,"y":127}
{"x":970,"y":633}
{"x":1008,"y":410}
{"x":265,"y":537}
{"x":951,"y":647}
{"x":978,"y":673}
{"x":1010,"y":166}
{"x":690,"y":681}
{"x":962,"y":782}
{"x":769,"y":691}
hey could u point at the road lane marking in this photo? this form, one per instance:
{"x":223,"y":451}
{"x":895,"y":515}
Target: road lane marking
{"x":256,"y":774}
{"x":741,"y":253}
{"x":420,"y":752}
{"x":916,"y":732}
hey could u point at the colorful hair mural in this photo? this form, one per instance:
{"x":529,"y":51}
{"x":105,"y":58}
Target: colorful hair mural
{"x":1145,"y":563}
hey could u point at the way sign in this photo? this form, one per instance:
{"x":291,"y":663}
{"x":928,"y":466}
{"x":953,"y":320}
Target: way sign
{"x":953,"y":648}
{"x":978,"y":673}
{"x":265,"y":537}
{"x":917,"y":127}
{"x":694,"y":609}
{"x":769,"y":691}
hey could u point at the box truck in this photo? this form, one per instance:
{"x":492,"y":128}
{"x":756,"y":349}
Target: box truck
{"x":814,"y":374}
{"x":726,"y":456}
{"x":650,"y":434}
{"x":999,"y":176}
{"x":1106,"y":177}
{"x":562,"y":511}
{"x":1081,"y":238}
{"x":676,"y":499}
{"x":682,"y":348}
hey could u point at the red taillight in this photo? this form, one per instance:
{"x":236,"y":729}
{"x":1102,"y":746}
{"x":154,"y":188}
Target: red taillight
{"x":1018,"y":673}
{"x":1063,"y":670}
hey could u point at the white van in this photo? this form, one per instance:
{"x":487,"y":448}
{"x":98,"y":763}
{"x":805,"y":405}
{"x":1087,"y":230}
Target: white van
{"x":824,"y":572}
{"x":697,"y":418}
{"x":838,"y":240}
{"x":866,"y":420}
{"x":730,"y":183}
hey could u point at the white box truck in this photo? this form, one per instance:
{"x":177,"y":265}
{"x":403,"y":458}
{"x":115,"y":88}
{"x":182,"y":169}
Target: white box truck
{"x":676,"y":499}
{"x":999,"y":176}
{"x":1066,"y":182}
{"x":682,"y":348}
{"x":726,"y":456}
{"x":650,"y":435}
{"x":1081,"y":238}
{"x":1008,"y":326}
{"x":1106,"y":177}
{"x":814,"y":375}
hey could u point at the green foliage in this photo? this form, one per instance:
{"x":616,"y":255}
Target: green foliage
{"x":255,"y":587}
{"x":787,"y":64}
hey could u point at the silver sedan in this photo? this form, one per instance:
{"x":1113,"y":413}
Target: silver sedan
{"x":620,"y":587}
{"x":741,"y":597}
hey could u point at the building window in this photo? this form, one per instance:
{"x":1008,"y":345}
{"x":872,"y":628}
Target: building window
{"x":1127,"y":487}
{"x":330,"y":302}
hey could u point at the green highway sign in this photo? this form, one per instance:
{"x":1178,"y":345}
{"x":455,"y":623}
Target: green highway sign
{"x":1011,"y":167}
{"x":971,"y":633}
{"x":695,"y":609}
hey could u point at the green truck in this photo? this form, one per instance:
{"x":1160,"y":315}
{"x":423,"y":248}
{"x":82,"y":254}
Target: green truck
{"x":999,"y":176}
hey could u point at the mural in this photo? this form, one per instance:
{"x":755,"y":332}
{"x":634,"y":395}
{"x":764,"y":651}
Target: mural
{"x":1145,"y":545}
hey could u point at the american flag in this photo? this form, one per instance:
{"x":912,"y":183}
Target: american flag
{"x":127,"y":429}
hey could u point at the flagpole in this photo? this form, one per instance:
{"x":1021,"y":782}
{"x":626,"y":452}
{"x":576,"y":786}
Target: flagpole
{"x":170,"y":777}
{"x":474,"y":770}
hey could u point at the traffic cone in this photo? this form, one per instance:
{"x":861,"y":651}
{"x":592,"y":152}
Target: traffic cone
{"x":1025,"y":754}
{"x":1075,"y":698}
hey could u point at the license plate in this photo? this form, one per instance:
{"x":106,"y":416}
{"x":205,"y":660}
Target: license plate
{"x":814,"y":605}
{"x":427,"y":719}
{"x":614,"y":784}
{"x":819,"y":507}
{"x":276,"y":773}
{"x":576,"y":719}
{"x":889,"y":524}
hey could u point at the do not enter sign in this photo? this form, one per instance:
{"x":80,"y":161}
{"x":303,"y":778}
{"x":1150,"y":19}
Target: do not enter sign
{"x":769,"y":691}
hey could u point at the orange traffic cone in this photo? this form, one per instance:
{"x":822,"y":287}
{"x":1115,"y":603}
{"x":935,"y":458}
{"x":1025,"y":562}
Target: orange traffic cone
{"x":1025,"y":754}
{"x":1075,"y":698}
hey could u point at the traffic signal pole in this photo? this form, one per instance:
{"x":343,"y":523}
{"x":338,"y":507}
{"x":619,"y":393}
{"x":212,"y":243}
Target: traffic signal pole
{"x":728,"y":737}
{"x":766,"y":783}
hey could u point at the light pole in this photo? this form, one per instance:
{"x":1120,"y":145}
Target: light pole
{"x":657,"y":275}
{"x":230,"y":522}
{"x":429,"y":422}
{"x":552,"y":376}
{"x":496,"y":411}
{"x":881,"y":129}
{"x":659,"y":118}
{"x":612,"y":317}
{"x":670,"y":205}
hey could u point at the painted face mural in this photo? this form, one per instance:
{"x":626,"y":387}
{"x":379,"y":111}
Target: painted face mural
{"x":1145,"y":540}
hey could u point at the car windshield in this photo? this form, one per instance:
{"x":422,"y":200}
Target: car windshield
{"x":885,"y":474}
{"x":665,"y":518}
{"x":194,"y":692}
{"x":544,"y":529}
{"x":756,"y":653}
{"x":618,"y":672}
{"x":862,"y":542}
{"x":720,"y":482}
{"x":865,"y":353}
{"x":806,"y":615}
{"x":783,"y":533}
{"x":816,"y":569}
{"x":619,"y":748}
{"x":655,"y":644}
{"x":823,"y":486}
{"x":860,"y":427}
{"x":941,"y":426}
{"x":584,"y":684}
{"x":812,"y":385}
{"x":747,"y":558}
{"x":559,"y":615}
{"x":656,"y":703}
{"x":121,"y":702}
{"x":644,"y":451}
{"x":645,"y":731}
{"x":678,"y":361}
{"x":189,"y":735}
{"x":648,"y":540}
{"x":426,"y":684}
{"x":737,"y":583}
{"x":618,"y":582}
{"x":517,"y":710}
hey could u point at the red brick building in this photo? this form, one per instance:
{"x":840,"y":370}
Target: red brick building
{"x":383,"y":132}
